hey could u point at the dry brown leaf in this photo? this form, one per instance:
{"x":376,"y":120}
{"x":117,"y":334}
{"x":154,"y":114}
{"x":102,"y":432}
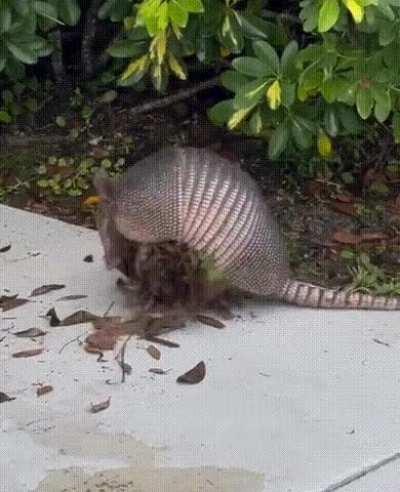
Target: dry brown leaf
{"x":11,"y":302}
{"x":4,"y":397}
{"x":345,"y":208}
{"x":5,"y":248}
{"x":54,"y":319}
{"x":162,"y":341}
{"x":72,"y":297}
{"x":27,"y":353}
{"x":194,"y":375}
{"x":30,"y":333}
{"x":98,"y":407}
{"x":207,"y":320}
{"x":44,"y":289}
{"x":79,"y":317}
{"x":44,"y":389}
{"x":154,"y":352}
{"x":156,"y":370}
{"x":346,"y":237}
{"x":102,"y":340}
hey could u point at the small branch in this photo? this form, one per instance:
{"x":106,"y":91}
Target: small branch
{"x":56,"y":57}
{"x":270,"y":14}
{"x":173,"y":98}
{"x":89,"y":32}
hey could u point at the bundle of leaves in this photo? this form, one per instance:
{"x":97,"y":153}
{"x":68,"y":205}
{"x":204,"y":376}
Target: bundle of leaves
{"x":171,"y":276}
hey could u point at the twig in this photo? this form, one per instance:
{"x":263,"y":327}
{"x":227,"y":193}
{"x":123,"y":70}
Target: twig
{"x":173,"y":98}
{"x":89,"y":32}
{"x":121,"y":357}
{"x":71,"y":341}
{"x":108,"y":309}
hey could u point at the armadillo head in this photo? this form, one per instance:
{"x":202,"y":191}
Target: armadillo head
{"x":115,"y":245}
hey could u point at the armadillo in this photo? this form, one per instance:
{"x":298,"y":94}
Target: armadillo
{"x":203,"y":200}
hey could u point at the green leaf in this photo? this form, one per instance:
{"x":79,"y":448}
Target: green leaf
{"x":23,"y":53}
{"x":251,"y":66}
{"x":221,"y":112}
{"x":301,"y":135}
{"x":387,"y":32}
{"x":288,"y":94}
{"x":396,"y":127}
{"x":162,"y":17}
{"x":46,"y":10}
{"x":195,"y":6}
{"x":255,"y":123}
{"x":250,"y":94}
{"x":5,"y":19}
{"x":233,"y":81}
{"x":364,"y":102}
{"x":231,"y":33}
{"x":126,"y":49}
{"x":331,"y":122}
{"x":177,"y":13}
{"x":383,"y":103}
{"x":267,"y":55}
{"x":69,"y":11}
{"x":5,"y":117}
{"x":279,"y":139}
{"x":328,"y":15}
{"x":106,"y":9}
{"x":349,"y":120}
{"x":255,"y":27}
{"x":288,"y":58}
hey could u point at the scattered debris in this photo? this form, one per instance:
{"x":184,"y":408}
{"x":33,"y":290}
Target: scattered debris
{"x":161,"y":341}
{"x":47,"y":388}
{"x":126,"y":368}
{"x":99,"y":407}
{"x":72,"y":297}
{"x":347,"y":237}
{"x":4,"y":397}
{"x":54,"y":319}
{"x":27,"y":353}
{"x":30,"y":333}
{"x":154,"y":352}
{"x":102,"y":340}
{"x":194,"y":376}
{"x":156,"y":370}
{"x":207,"y":320}
{"x":44,"y":289}
{"x":376,"y":340}
{"x":11,"y":302}
{"x":79,"y":317}
{"x":5,"y":248}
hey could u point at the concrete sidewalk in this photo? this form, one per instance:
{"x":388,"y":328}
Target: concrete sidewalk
{"x":293,"y":400}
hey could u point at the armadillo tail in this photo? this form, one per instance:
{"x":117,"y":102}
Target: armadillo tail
{"x":309,"y":295}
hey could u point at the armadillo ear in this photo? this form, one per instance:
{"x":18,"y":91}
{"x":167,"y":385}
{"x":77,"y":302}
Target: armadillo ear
{"x":104,"y":184}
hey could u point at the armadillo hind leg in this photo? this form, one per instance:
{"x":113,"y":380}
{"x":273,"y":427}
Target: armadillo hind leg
{"x":309,"y":295}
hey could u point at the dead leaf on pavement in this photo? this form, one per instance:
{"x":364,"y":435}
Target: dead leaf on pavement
{"x":72,"y":297}
{"x":79,"y":317}
{"x":11,"y":302}
{"x":194,"y":376}
{"x":27,"y":353}
{"x":54,"y":319}
{"x":98,"y":407}
{"x":44,"y":289}
{"x":5,"y":248}
{"x":44,"y":389}
{"x":156,"y":370}
{"x":154,"y":352}
{"x":4,"y":397}
{"x":207,"y":320}
{"x":30,"y":333}
{"x":162,"y":341}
